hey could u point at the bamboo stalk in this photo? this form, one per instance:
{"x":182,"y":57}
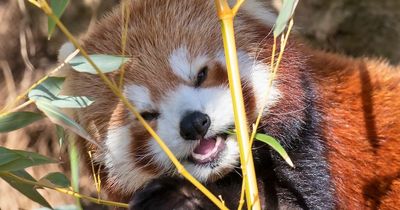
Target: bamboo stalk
{"x":226,"y":15}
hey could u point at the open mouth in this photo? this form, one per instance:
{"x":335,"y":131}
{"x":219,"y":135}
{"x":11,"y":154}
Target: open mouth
{"x":208,"y":149}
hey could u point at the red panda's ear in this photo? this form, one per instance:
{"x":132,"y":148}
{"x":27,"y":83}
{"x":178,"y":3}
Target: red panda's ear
{"x":261,"y":10}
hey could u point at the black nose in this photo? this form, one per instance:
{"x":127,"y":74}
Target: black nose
{"x":194,"y":125}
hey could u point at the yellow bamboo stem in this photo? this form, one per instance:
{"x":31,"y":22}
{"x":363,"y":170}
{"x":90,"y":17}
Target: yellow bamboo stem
{"x":226,"y":16}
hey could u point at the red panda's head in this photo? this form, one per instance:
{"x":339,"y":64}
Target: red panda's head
{"x":176,"y":77}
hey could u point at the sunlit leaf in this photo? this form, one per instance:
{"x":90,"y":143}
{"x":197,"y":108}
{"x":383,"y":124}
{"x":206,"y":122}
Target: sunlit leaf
{"x":17,"y":120}
{"x":275,"y":145}
{"x":58,"y":7}
{"x":56,"y":179}
{"x":288,"y":7}
{"x":106,"y":63}
{"x":59,"y":118}
{"x":14,"y":160}
{"x":27,"y":189}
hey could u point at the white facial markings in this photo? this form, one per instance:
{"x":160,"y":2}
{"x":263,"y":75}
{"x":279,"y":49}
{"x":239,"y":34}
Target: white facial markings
{"x":140,"y":96}
{"x":184,"y":65}
{"x":118,"y":160}
{"x":256,"y":74}
{"x":215,"y":101}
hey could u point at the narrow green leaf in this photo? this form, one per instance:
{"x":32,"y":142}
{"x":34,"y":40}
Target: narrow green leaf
{"x":275,"y":145}
{"x":59,"y":118}
{"x":72,"y":102}
{"x":56,"y":179}
{"x":288,"y":7}
{"x":65,"y":207}
{"x":50,"y":89}
{"x":106,"y":63}
{"x":60,"y":134}
{"x":14,"y":160}
{"x":58,"y":7}
{"x":17,"y":120}
{"x":26,"y":189}
{"x":74,"y":160}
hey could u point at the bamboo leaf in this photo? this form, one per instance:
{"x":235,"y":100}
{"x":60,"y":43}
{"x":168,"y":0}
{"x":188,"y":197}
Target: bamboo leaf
{"x":59,"y":118}
{"x":65,"y":207}
{"x":286,"y":13}
{"x":26,"y":189}
{"x":72,"y":102}
{"x":58,"y":7}
{"x":60,"y":134}
{"x":14,"y":160}
{"x":275,"y":145}
{"x":74,"y":160}
{"x":50,"y":89}
{"x":106,"y":63}
{"x":17,"y":120}
{"x":56,"y":179}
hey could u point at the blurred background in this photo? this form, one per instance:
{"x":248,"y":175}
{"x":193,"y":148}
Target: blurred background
{"x":352,"y":27}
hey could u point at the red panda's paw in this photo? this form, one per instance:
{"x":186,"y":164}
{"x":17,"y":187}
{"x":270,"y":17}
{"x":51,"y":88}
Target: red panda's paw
{"x":168,"y":193}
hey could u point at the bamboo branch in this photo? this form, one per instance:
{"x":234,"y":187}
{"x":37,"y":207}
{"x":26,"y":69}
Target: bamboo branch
{"x":226,"y":15}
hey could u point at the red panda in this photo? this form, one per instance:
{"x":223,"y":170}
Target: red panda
{"x":337,"y":117}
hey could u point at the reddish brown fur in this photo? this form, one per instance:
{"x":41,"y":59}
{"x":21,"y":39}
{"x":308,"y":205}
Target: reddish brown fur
{"x":362,"y":129}
{"x":359,"y":97}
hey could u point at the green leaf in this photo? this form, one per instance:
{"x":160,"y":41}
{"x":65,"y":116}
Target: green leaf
{"x":72,"y":102}
{"x":106,"y":63}
{"x":56,"y":179}
{"x":74,"y":161}
{"x":275,"y":145}
{"x":60,"y":134}
{"x":27,"y":189}
{"x":284,"y":16}
{"x":59,"y":118}
{"x":58,"y":7}
{"x":17,"y":120}
{"x":64,"y":207}
{"x":50,"y":89}
{"x":14,"y":160}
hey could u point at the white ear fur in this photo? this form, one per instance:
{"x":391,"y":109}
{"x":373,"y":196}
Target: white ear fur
{"x":258,"y":9}
{"x":65,"y":50}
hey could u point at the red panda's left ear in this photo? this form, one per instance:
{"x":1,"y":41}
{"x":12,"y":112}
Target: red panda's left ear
{"x":261,"y":10}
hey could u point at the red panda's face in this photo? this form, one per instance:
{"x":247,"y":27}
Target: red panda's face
{"x":177,"y":80}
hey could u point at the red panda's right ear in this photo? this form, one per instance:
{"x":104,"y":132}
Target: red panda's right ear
{"x":261,"y":10}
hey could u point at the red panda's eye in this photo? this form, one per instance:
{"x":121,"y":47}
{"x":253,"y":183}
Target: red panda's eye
{"x":201,"y":76}
{"x":148,"y":116}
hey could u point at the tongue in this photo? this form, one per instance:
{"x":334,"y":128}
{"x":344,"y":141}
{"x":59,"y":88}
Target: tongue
{"x":207,"y":150}
{"x":206,"y":146}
